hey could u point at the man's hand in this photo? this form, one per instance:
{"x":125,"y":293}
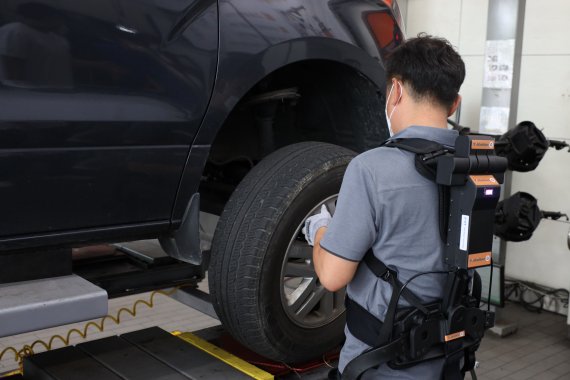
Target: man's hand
{"x":313,"y":223}
{"x":334,"y":272}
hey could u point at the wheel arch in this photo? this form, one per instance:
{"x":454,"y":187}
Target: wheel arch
{"x":244,"y":76}
{"x":328,"y":71}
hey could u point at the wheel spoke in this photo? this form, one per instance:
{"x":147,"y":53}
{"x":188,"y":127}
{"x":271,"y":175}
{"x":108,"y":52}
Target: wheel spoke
{"x":302,"y":294}
{"x":326,"y":306}
{"x":300,"y":250}
{"x":311,"y":302}
{"x":339,"y":296}
{"x":331,"y":205}
{"x":294,"y":269}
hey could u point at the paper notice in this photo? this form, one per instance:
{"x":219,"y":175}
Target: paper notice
{"x":494,"y":120}
{"x":499,"y":58}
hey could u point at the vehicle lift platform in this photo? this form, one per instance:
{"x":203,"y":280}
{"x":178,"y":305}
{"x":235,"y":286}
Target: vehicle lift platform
{"x":152,"y":354}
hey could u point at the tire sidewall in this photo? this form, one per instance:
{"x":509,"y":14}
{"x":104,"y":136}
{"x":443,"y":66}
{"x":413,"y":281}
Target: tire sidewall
{"x":325,"y":184}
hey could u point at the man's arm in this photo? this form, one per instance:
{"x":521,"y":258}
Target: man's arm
{"x":350,"y":233}
{"x":334,"y":272}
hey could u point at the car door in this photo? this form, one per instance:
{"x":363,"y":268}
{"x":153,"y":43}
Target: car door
{"x":99,"y":103}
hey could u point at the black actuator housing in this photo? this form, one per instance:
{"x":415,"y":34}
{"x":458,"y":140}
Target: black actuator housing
{"x":474,"y":175}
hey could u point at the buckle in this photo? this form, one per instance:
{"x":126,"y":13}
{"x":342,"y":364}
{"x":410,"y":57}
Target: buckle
{"x":388,"y":274}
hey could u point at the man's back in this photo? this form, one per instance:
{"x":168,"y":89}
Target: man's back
{"x":384,"y":204}
{"x":387,"y":205}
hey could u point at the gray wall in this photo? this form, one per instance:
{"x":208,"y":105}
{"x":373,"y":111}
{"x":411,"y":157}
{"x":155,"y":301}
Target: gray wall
{"x":544,"y":98}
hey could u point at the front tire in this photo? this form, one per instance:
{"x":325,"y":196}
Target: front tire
{"x":262,"y":282}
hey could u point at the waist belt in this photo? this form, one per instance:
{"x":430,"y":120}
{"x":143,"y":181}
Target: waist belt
{"x":416,"y":334}
{"x":373,"y":332}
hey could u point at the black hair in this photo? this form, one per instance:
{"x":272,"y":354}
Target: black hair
{"x":431,"y":66}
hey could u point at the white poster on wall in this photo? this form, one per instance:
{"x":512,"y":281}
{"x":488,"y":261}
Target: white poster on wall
{"x":494,"y":120}
{"x":499,"y":59}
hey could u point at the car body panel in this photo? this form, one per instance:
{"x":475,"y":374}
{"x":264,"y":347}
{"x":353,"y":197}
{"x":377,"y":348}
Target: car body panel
{"x":258,"y":37}
{"x":118,"y":139}
{"x":99,"y":113}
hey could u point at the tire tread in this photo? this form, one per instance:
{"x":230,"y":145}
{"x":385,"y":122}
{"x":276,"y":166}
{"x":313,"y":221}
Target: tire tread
{"x":244,"y":232}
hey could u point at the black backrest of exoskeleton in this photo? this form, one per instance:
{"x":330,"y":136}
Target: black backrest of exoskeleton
{"x":426,"y":153}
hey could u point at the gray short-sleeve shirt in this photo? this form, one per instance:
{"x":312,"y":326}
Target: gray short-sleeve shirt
{"x":386,"y":205}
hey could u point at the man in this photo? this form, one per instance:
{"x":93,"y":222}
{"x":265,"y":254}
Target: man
{"x":385,"y":205}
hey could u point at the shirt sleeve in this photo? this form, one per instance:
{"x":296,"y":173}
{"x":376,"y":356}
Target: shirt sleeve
{"x":353,"y":230}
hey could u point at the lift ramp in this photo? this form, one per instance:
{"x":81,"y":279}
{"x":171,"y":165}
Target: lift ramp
{"x":147,"y":354}
{"x":41,"y":303}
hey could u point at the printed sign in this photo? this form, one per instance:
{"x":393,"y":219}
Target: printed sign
{"x":499,"y":59}
{"x":494,"y":120}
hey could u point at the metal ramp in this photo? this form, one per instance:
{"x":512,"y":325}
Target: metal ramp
{"x":42,"y":303}
{"x":147,"y":354}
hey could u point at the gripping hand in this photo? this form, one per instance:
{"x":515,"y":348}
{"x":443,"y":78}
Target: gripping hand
{"x":314,"y":222}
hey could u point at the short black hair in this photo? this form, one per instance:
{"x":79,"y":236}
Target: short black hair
{"x":431,"y":66}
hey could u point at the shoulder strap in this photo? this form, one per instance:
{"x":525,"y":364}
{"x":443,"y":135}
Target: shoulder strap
{"x":426,"y":152}
{"x":383,"y":272}
{"x":415,"y":145}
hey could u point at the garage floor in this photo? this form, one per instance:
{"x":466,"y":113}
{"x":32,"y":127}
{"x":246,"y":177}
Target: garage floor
{"x":539,"y":350}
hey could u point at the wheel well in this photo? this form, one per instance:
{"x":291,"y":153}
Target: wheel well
{"x":334,"y":103}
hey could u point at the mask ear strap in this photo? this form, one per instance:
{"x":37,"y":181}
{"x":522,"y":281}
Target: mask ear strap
{"x":394,"y":109}
{"x":401,"y":91}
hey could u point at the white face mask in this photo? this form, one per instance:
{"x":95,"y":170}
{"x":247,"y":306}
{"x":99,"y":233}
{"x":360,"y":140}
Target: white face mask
{"x":388,"y":117}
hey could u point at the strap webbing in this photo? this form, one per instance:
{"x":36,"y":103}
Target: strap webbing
{"x":372,"y":358}
{"x":477,"y":287}
{"x":452,"y":366}
{"x":415,"y":145}
{"x":361,"y":323}
{"x":383,"y":272}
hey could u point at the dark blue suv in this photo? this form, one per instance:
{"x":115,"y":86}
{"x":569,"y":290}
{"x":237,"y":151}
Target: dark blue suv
{"x":126,"y":119}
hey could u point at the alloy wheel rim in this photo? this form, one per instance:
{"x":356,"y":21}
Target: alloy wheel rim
{"x":305,"y":301}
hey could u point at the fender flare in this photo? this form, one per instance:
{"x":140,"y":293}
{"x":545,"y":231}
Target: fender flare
{"x":246,"y":74}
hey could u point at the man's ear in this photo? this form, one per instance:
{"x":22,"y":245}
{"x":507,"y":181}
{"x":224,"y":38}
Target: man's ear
{"x":454,"y":106}
{"x":397,"y":92}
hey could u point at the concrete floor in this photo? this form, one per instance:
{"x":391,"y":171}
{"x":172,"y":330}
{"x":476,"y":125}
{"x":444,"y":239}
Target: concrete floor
{"x":539,"y":350}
